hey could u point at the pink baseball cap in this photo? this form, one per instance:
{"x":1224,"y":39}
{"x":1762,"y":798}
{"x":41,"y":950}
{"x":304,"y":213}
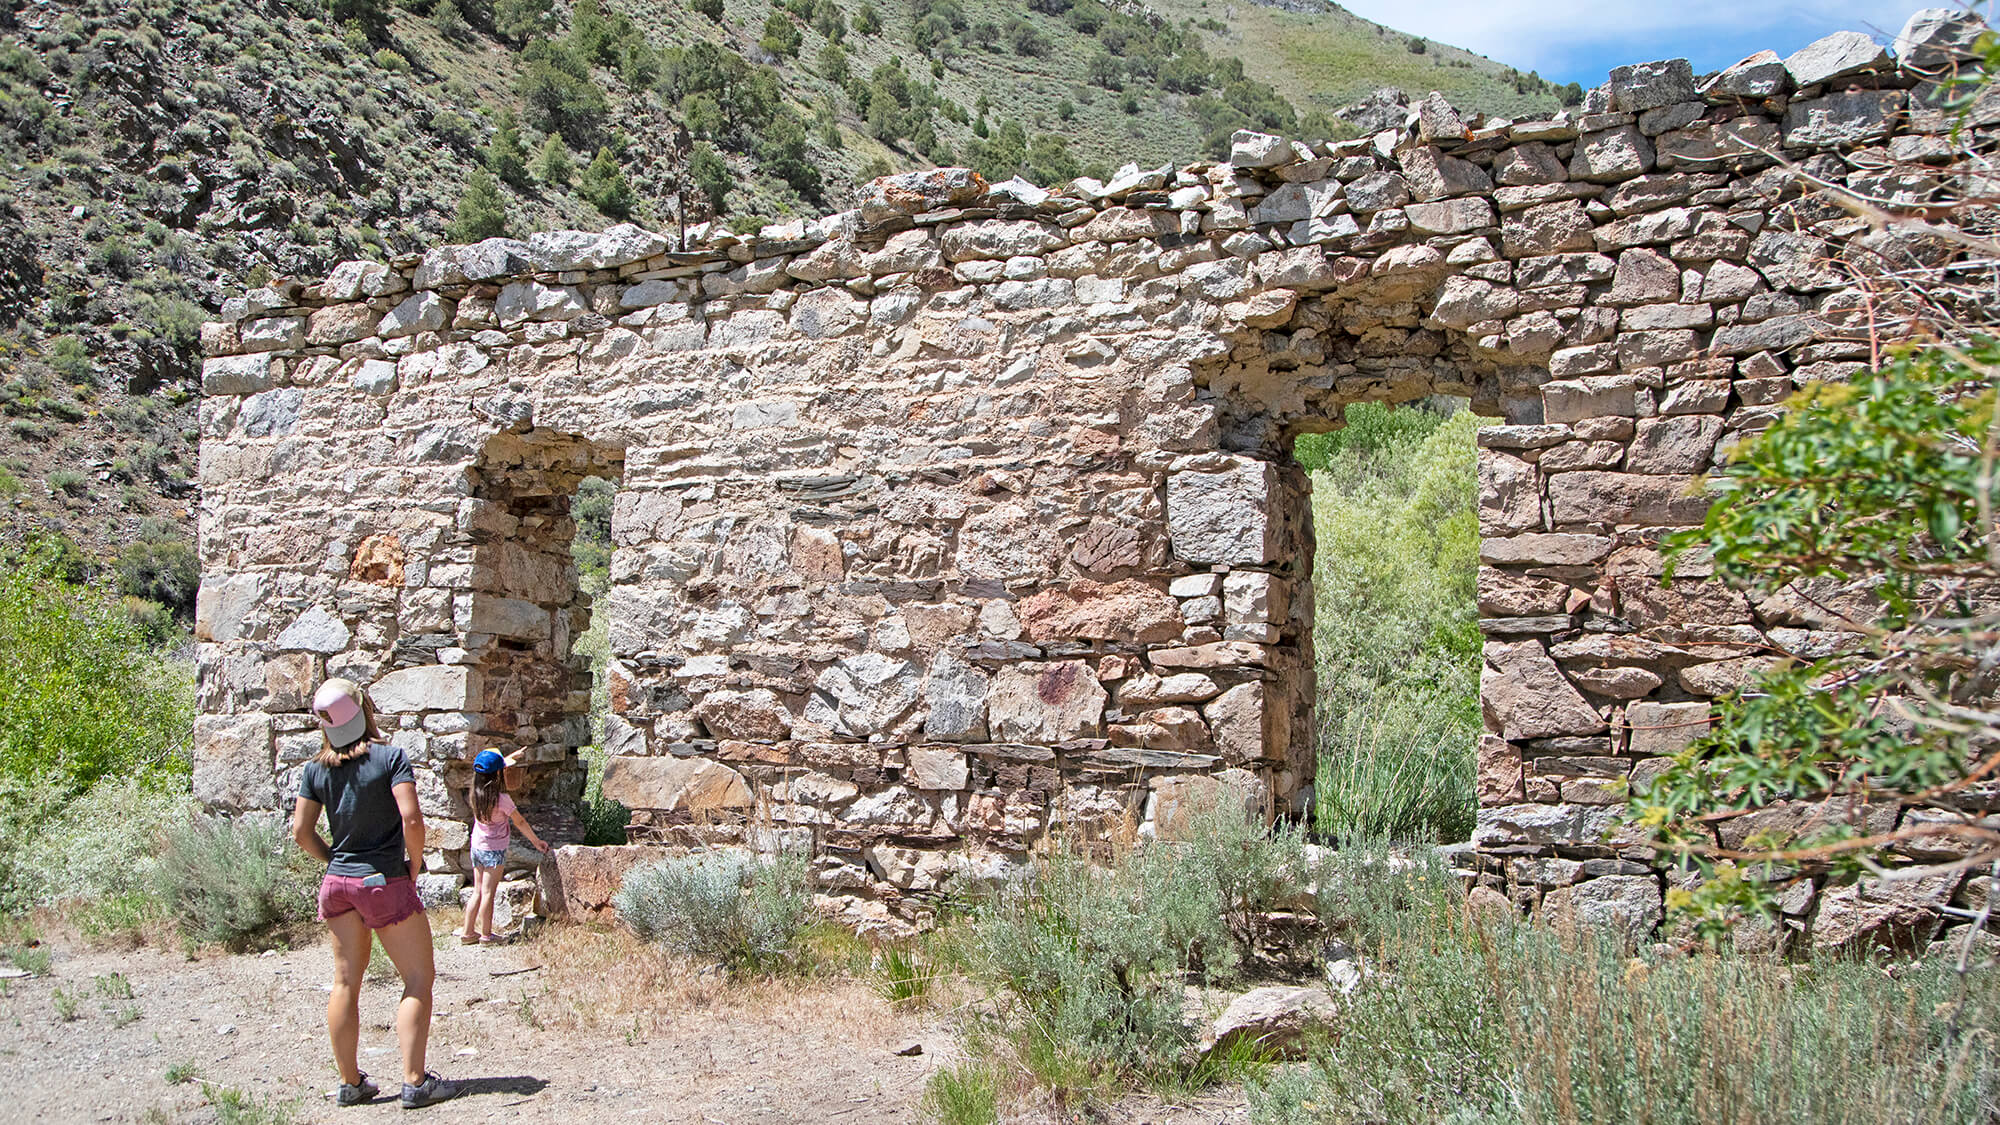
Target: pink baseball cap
{"x":337,"y":705}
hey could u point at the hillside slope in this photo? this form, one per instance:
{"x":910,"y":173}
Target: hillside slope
{"x":161,"y":155}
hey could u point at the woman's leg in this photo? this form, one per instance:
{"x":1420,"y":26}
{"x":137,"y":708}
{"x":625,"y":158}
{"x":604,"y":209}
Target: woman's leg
{"x":408,"y":944}
{"x":343,"y":1007}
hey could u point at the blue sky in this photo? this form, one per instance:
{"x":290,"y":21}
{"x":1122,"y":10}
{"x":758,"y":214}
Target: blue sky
{"x":1580,"y":40}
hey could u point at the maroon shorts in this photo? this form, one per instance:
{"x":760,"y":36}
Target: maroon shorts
{"x":380,"y":907}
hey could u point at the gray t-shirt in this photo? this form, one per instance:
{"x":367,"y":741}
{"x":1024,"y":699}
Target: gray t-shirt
{"x":366,"y":827}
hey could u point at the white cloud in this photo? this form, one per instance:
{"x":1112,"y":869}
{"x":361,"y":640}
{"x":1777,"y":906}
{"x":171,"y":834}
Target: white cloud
{"x":1560,"y":35}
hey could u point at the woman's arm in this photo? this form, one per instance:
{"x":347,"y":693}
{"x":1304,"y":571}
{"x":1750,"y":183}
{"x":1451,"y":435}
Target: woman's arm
{"x":305,"y":829}
{"x":527,"y":829}
{"x":413,"y":824}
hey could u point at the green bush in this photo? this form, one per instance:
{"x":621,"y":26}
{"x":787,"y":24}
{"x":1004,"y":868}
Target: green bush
{"x":553,"y":165}
{"x":482,"y":213}
{"x":224,"y":879}
{"x":1396,"y":636}
{"x":70,"y":359}
{"x":726,"y":906}
{"x":161,"y":566}
{"x":81,"y":696}
{"x":966,"y":1094}
{"x":605,"y":187}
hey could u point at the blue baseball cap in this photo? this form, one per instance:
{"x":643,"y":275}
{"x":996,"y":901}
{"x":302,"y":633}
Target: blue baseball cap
{"x":488,"y":761}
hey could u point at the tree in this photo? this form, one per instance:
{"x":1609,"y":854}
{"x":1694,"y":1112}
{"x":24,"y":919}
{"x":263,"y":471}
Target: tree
{"x":1868,"y":506}
{"x":604,"y":186}
{"x":450,"y":21}
{"x":507,"y":157}
{"x":372,"y":15}
{"x":710,"y":8}
{"x":562,"y":96}
{"x":868,"y":21}
{"x":523,"y":20}
{"x":829,"y":22}
{"x":784,"y":152}
{"x":833,"y":63}
{"x":781,"y":35}
{"x":482,"y":213}
{"x":1105,"y":71}
{"x":711,"y":176}
{"x":553,"y":165}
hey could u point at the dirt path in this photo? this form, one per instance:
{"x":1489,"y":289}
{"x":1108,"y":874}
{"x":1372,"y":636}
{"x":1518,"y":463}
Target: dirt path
{"x":255,"y":1023}
{"x":639,"y":1047}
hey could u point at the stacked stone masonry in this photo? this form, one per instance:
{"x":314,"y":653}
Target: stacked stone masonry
{"x":970,"y":515}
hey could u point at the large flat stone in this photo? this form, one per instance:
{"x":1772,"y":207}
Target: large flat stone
{"x":1223,"y":516}
{"x":694,"y":785}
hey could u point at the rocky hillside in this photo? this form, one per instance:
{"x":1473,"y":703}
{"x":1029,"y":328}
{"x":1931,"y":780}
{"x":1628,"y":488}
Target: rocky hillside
{"x":160,"y":155}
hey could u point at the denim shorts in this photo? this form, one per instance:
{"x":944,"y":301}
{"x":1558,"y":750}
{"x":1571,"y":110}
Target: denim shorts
{"x":483,"y":858}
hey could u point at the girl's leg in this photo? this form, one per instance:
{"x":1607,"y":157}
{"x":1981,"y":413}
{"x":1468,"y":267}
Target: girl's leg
{"x":471,"y":928}
{"x":489,"y":878}
{"x":343,"y":1007}
{"x":408,"y":944}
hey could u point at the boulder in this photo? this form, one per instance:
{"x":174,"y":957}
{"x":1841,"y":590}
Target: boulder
{"x":1276,"y":1019}
{"x":560,"y":250}
{"x":955,"y":700}
{"x":315,"y":630}
{"x":1836,"y":56}
{"x":1844,"y":118}
{"x":1762,"y":75}
{"x":234,"y":762}
{"x":1250,"y":149}
{"x":757,"y":715}
{"x":1223,"y":516}
{"x":1649,"y":85}
{"x":1937,"y":39}
{"x":912,"y":193}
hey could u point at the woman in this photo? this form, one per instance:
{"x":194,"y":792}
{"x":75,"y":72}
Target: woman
{"x":369,"y":793}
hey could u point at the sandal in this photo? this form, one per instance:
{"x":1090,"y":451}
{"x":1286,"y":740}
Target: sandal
{"x":468,"y":939}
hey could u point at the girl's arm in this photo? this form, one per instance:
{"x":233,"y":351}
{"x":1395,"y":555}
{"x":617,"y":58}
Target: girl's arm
{"x":527,"y":829}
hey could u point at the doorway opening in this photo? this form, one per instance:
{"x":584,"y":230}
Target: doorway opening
{"x":531,"y":604}
{"x":1395,"y":641}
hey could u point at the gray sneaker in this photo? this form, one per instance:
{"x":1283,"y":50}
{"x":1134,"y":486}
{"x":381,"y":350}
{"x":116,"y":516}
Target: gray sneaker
{"x":360,"y":1092}
{"x":432,"y":1091}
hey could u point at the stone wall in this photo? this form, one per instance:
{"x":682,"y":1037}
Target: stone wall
{"x":970,"y":513}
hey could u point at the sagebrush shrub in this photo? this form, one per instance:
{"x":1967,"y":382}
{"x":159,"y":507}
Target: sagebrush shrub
{"x":721,"y":905}
{"x":224,"y":879}
{"x":102,"y":846}
{"x":1094,"y":958}
{"x":1464,"y":1020}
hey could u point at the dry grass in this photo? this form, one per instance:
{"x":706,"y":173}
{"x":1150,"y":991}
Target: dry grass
{"x":608,"y":979}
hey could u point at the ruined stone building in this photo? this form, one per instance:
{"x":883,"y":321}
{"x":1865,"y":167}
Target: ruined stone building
{"x":971,"y":514}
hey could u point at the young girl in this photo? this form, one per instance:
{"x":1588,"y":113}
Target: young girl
{"x":492,"y":812}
